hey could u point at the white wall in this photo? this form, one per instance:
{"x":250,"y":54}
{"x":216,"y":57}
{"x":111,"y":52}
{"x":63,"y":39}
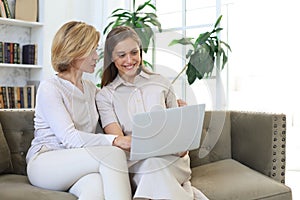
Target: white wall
{"x":94,"y":12}
{"x":264,"y":62}
{"x":54,"y":16}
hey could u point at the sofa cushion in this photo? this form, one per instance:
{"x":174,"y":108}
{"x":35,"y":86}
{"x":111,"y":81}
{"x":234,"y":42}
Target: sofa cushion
{"x":18,"y":127}
{"x":5,"y":159}
{"x":229,"y":179}
{"x":14,"y":187}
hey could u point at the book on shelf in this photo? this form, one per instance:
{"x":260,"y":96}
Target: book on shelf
{"x":1,"y":52}
{"x":9,"y":52}
{"x":29,"y":54}
{"x":6,"y":54}
{"x":17,"y":96}
{"x":16,"y":53}
{"x":7,"y":9}
{"x":2,"y":10}
{"x":10,"y":97}
{"x":17,"y":99}
{"x":4,"y":95}
{"x":1,"y":98}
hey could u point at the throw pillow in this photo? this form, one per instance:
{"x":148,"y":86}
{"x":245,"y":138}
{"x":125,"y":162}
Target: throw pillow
{"x":5,"y":159}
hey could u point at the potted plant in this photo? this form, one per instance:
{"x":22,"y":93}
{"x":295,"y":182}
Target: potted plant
{"x":206,"y":53}
{"x":142,"y":22}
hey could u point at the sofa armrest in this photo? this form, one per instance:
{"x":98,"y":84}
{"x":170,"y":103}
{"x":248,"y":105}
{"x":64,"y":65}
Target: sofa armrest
{"x":258,"y":140}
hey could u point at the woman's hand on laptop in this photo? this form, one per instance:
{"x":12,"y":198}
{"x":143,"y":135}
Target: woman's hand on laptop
{"x":181,"y":103}
{"x":182,"y":154}
{"x":123,"y":142}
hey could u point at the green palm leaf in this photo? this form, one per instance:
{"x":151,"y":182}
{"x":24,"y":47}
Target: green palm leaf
{"x":183,"y":41}
{"x":206,"y":48}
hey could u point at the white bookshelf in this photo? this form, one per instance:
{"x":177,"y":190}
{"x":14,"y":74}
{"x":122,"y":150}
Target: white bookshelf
{"x":24,"y":66}
{"x":32,"y":35}
{"x":21,"y":23}
{"x":22,"y":32}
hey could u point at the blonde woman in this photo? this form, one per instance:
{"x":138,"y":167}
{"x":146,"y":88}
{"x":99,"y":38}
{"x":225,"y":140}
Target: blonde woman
{"x":66,"y":154}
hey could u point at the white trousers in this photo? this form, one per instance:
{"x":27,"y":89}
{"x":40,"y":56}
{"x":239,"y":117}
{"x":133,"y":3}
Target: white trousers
{"x":89,"y":173}
{"x":165,"y":177}
{"x":162,"y":178}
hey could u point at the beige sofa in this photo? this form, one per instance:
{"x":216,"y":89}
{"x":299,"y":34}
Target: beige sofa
{"x":242,"y":156}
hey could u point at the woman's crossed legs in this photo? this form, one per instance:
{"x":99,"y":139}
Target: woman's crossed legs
{"x":69,"y":168}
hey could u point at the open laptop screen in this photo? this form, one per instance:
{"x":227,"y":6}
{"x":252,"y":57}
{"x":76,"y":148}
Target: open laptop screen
{"x":167,"y":131}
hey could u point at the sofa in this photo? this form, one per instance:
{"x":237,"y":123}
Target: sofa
{"x":242,"y":156}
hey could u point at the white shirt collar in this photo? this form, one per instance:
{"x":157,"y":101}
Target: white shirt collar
{"x":120,"y":81}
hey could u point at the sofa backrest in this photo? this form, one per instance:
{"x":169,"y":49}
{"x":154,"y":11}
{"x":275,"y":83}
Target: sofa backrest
{"x":18,"y":128}
{"x":215,"y":140}
{"x":5,"y":158}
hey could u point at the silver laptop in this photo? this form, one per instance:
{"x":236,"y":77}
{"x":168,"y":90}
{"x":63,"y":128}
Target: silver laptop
{"x":167,"y":131}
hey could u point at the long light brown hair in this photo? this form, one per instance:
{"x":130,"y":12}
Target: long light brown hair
{"x":114,"y":37}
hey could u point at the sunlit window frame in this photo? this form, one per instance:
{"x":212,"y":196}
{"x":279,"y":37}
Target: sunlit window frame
{"x":183,"y":28}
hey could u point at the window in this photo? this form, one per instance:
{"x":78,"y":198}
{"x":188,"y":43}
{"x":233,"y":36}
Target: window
{"x":187,"y":18}
{"x":184,"y":18}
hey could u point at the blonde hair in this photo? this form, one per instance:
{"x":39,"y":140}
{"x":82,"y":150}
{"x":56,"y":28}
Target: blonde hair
{"x":72,"y":41}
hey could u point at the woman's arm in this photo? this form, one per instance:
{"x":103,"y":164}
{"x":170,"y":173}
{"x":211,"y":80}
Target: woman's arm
{"x":181,"y":103}
{"x":113,"y":128}
{"x":124,"y":142}
{"x":52,"y":113}
{"x":109,"y":120}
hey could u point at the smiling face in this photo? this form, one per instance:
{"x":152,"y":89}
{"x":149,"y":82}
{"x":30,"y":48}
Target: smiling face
{"x":126,"y":56}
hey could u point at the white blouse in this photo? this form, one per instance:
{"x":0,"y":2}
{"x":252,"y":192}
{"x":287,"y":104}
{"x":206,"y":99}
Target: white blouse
{"x":66,"y":117}
{"x":118,"y":101}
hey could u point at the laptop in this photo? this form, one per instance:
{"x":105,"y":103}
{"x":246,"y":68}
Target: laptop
{"x":166,"y":131}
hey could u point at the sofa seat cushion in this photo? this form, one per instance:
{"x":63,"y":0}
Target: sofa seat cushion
{"x":5,"y":159}
{"x":17,"y":187}
{"x":229,"y":179}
